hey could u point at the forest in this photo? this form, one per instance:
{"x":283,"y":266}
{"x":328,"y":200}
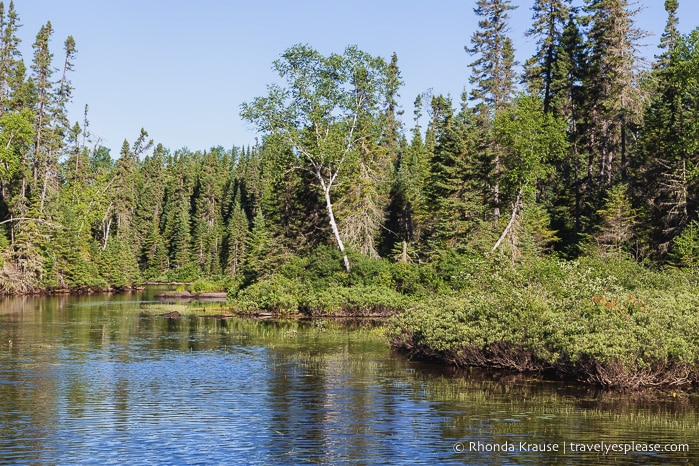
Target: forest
{"x":572,"y":184}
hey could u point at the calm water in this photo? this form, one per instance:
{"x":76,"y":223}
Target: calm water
{"x":102,"y":379}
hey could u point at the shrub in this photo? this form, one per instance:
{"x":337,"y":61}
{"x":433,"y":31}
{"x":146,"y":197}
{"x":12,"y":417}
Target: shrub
{"x":275,"y":293}
{"x":205,"y":285}
{"x":602,"y":322}
{"x":359,"y":300}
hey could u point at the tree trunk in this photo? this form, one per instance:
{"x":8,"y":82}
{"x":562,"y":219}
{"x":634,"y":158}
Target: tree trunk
{"x":333,"y":225}
{"x":515,"y":209}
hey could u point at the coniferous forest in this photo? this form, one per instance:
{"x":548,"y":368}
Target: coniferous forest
{"x":544,"y":220}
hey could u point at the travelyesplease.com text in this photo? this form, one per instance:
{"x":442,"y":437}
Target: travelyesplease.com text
{"x":605,"y":448}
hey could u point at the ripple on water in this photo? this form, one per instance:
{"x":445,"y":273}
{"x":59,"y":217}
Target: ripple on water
{"x":141,"y":390}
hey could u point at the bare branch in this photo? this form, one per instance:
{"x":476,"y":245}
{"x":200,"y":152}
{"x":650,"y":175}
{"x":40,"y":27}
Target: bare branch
{"x":40,"y":220}
{"x":515,"y":209}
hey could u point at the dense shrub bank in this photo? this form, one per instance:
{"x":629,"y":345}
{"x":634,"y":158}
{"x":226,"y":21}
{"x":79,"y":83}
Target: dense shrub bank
{"x":608,"y":323}
{"x":317,"y":285}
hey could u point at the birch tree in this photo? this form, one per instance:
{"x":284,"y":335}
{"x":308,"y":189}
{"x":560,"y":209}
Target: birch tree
{"x":319,"y":110}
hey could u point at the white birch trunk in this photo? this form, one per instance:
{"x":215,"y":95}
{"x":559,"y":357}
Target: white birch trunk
{"x":333,"y":225}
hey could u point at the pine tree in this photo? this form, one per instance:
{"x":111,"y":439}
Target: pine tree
{"x":618,"y":223}
{"x":176,"y":219}
{"x":260,"y":251}
{"x":43,"y":72}
{"x":292,"y":202}
{"x":568,"y":98}
{"x":207,"y":231}
{"x":236,"y":241}
{"x":493,"y":77}
{"x":614,"y":98}
{"x":150,"y":193}
{"x":410,"y":191}
{"x":492,"y":73}
{"x":670,"y":35}
{"x":549,"y":20}
{"x":10,"y":58}
{"x":454,"y":196}
{"x":668,"y":149}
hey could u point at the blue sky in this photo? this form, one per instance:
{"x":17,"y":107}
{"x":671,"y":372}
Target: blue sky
{"x":180,"y":69}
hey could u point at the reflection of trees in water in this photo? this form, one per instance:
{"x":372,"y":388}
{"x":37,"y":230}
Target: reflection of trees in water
{"x":326,"y":388}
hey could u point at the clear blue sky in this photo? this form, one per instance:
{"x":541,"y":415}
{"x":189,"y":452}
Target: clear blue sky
{"x":180,"y":69}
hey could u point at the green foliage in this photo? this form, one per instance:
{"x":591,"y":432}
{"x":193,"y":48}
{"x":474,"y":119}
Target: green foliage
{"x":117,"y":263}
{"x":276,"y":293}
{"x":16,"y":133}
{"x":205,"y":285}
{"x":532,"y":139}
{"x":685,"y":248}
{"x":186,"y":273}
{"x":493,"y":70}
{"x":358,"y":300}
{"x":618,"y":221}
{"x":559,"y":313}
{"x":328,"y":111}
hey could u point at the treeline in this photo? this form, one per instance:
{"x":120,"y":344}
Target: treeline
{"x":588,"y":152}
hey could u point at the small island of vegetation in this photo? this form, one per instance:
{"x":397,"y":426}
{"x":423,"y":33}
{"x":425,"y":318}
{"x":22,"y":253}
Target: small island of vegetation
{"x":550,"y":227}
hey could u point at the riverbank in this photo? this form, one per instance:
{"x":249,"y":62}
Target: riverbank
{"x":76,"y":290}
{"x":611,"y":324}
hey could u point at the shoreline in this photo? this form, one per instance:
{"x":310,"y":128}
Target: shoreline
{"x":614,"y":376}
{"x":624,"y":344}
{"x":86,"y":290}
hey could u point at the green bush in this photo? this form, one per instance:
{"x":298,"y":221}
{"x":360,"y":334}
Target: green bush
{"x":207,"y":285}
{"x":550,"y":314}
{"x":275,"y":293}
{"x":359,"y":300}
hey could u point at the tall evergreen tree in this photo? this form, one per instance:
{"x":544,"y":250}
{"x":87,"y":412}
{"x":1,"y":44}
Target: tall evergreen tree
{"x":207,"y":231}
{"x":492,"y":73}
{"x":454,"y":196}
{"x":43,"y":72}
{"x":614,"y":96}
{"x":566,"y":192}
{"x":10,"y":57}
{"x":235,"y":241}
{"x":670,"y":35}
{"x":549,"y":20}
{"x":493,"y":77}
{"x":150,"y":193}
{"x":412,"y":176}
{"x":668,"y":151}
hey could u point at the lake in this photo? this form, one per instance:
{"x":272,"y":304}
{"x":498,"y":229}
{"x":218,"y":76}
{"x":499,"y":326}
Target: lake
{"x":103,"y":379}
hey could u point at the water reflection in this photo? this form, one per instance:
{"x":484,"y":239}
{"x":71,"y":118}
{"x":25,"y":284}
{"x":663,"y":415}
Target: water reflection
{"x":103,"y":379}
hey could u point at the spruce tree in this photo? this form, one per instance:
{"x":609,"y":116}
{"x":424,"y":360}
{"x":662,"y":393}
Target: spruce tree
{"x":493,"y":77}
{"x":454,"y":196}
{"x":614,"y":98}
{"x":413,"y":171}
{"x":670,"y":35}
{"x":42,"y":74}
{"x":236,"y":241}
{"x":668,"y":150}
{"x":10,"y":58}
{"x":492,"y":73}
{"x":549,"y":20}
